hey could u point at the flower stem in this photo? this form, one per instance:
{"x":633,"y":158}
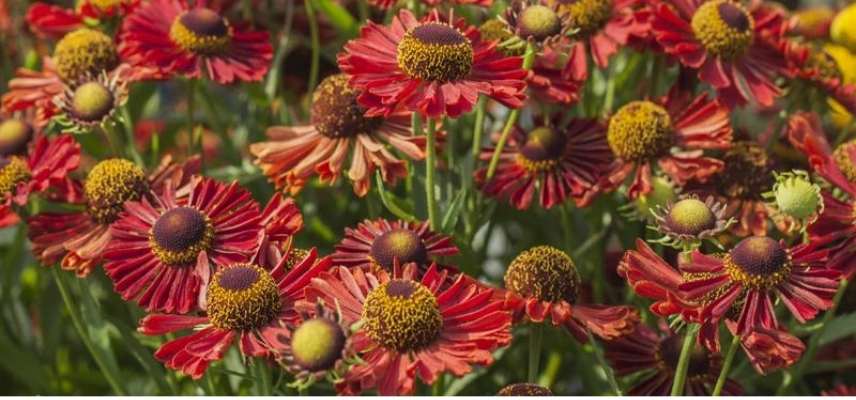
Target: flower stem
{"x":726,"y":365}
{"x":430,"y":164}
{"x":684,"y":360}
{"x":316,"y":44}
{"x":610,"y":375}
{"x":513,"y":115}
{"x":478,"y":128}
{"x":536,"y":334}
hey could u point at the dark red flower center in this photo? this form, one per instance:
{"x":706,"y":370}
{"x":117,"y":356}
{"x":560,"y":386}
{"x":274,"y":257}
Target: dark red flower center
{"x":544,"y":273}
{"x":92,"y":102}
{"x":336,"y":112}
{"x":201,"y":31}
{"x":242,"y":297}
{"x":13,"y":170}
{"x":723,"y":27}
{"x":640,"y":131}
{"x":180,"y":234}
{"x":734,"y":16}
{"x":399,"y":244}
{"x":435,"y":52}
{"x":402,"y":315}
{"x":669,"y":352}
{"x":317,"y":344}
{"x":14,"y":137}
{"x":758,"y":262}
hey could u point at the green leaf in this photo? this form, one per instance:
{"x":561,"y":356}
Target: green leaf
{"x":839,"y":328}
{"x":339,"y":17}
{"x":451,"y":217}
{"x":395,"y":205}
{"x":23,"y":365}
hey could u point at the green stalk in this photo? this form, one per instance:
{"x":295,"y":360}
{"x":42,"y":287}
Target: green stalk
{"x":316,"y":44}
{"x":513,"y":115}
{"x":430,"y":164}
{"x":598,"y":354}
{"x":263,"y":376}
{"x":726,"y":365}
{"x":128,"y":125}
{"x":478,"y":128}
{"x":684,"y":360}
{"x":536,"y":334}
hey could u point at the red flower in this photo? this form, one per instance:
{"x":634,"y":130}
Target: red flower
{"x":180,"y":39}
{"x":561,"y":160}
{"x":245,"y":302}
{"x":817,"y":67}
{"x":840,"y":390}
{"x":549,"y":80}
{"x":79,"y":238}
{"x":48,"y":20}
{"x":769,"y":349}
{"x":379,"y":243}
{"x":652,"y":277}
{"x":737,"y":51}
{"x":34,"y":89}
{"x":413,"y":325}
{"x":431,"y":67}
{"x":163,"y":250}
{"x":643,"y":132}
{"x":23,"y":172}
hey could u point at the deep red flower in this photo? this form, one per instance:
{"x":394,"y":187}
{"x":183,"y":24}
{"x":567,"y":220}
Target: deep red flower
{"x":642,"y":133}
{"x":24,"y":172}
{"x":185,"y":40}
{"x":560,"y":159}
{"x":550,"y":81}
{"x":769,"y":349}
{"x":736,"y":50}
{"x":47,"y":20}
{"x":432,"y":67}
{"x":244,"y":302}
{"x":840,"y":390}
{"x":379,"y":243}
{"x":413,"y":324}
{"x":652,"y":277}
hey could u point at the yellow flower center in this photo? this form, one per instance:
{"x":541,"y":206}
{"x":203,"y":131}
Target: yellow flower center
{"x":403,"y":245}
{"x":13,"y":170}
{"x":640,"y":131}
{"x":842,"y":158}
{"x":586,"y":16}
{"x":545,"y":273}
{"x":14,"y":137}
{"x":435,"y":52}
{"x":723,"y":27}
{"x":317,"y":344}
{"x":109,"y":185}
{"x":542,"y":150}
{"x":180,"y":234}
{"x":242,"y":297}
{"x":91,"y":102}
{"x":102,"y":5}
{"x":498,"y":31}
{"x":402,"y":315}
{"x":201,"y":31}
{"x":690,"y":217}
{"x":539,"y":22}
{"x":84,"y":52}
{"x":335,"y":111}
{"x":758,"y":262}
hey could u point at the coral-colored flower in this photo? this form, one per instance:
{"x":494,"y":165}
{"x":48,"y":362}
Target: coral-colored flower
{"x":561,"y":160}
{"x":414,"y":325}
{"x":23,"y":172}
{"x":48,"y":20}
{"x":769,"y":349}
{"x":378,"y":244}
{"x":34,"y":90}
{"x":337,"y":126}
{"x":245,"y":303}
{"x":643,"y":133}
{"x":543,"y":282}
{"x":190,"y":41}
{"x":820,"y":69}
{"x":736,"y":50}
{"x":78,"y":238}
{"x":652,"y":277}
{"x":432,"y":67}
{"x":657,"y":353}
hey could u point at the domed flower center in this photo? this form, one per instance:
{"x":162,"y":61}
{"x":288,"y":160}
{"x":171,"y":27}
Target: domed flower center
{"x":758,"y":262}
{"x":844,"y":159}
{"x":747,"y":173}
{"x":402,"y":315}
{"x":538,"y":22}
{"x":524,"y":389}
{"x":335,"y":111}
{"x":669,"y":352}
{"x":640,"y":131}
{"x":723,"y":27}
{"x":242,"y":297}
{"x":543,"y":149}
{"x":13,"y":170}
{"x":317,"y":344}
{"x":84,"y":52}
{"x":14,"y":137}
{"x":91,"y":102}
{"x":545,"y":273}
{"x":587,"y":16}
{"x":294,"y":257}
{"x":435,"y":52}
{"x":109,"y":185}
{"x":180,"y":234}
{"x":796,"y":196}
{"x":690,"y":217}
{"x":200,"y":31}
{"x":403,"y":245}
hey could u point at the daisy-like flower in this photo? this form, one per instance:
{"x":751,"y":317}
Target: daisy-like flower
{"x":652,"y":277}
{"x":23,"y":173}
{"x":560,"y":160}
{"x":180,"y":39}
{"x":655,"y":353}
{"x":337,"y":125}
{"x":52,"y":21}
{"x":163,"y":250}
{"x":524,"y":389}
{"x":687,"y":222}
{"x":413,"y":324}
{"x":745,"y":279}
{"x":735,"y":49}
{"x":642,"y":133}
{"x":380,"y":243}
{"x":543,"y":282}
{"x":90,"y":103}
{"x":78,"y":238}
{"x":819,"y":68}
{"x":432,"y":67}
{"x":245,"y":303}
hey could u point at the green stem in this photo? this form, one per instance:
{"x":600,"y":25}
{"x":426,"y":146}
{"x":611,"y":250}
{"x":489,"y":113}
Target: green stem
{"x":109,"y":136}
{"x":726,"y":365}
{"x":478,"y":128}
{"x":536,"y":334}
{"x":598,"y":354}
{"x":263,"y":375}
{"x":513,"y":115}
{"x":128,"y":125}
{"x":437,"y":387}
{"x":76,"y":320}
{"x":684,"y":360}
{"x":430,"y":165}
{"x":316,"y":44}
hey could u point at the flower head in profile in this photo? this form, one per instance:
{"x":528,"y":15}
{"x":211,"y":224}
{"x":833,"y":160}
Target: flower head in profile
{"x":433,"y":67}
{"x":687,"y":222}
{"x":413,"y":325}
{"x":91,"y":102}
{"x":180,"y":39}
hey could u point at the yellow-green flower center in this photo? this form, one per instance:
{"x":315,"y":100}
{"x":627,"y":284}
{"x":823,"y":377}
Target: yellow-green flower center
{"x":335,"y":111}
{"x":586,"y":16}
{"x":402,"y":315}
{"x":317,"y":344}
{"x":84,"y":52}
{"x":690,"y":217}
{"x":498,"y":31}
{"x":435,"y":52}
{"x":758,"y":262}
{"x":242,"y":297}
{"x":796,"y":196}
{"x":14,"y":137}
{"x":543,"y":149}
{"x":640,"y":131}
{"x":92,"y":101}
{"x":545,"y":273}
{"x":403,"y":245}
{"x":109,"y":185}
{"x":201,"y":31}
{"x":13,"y":170}
{"x":180,"y":234}
{"x":723,"y":27}
{"x":539,"y":22}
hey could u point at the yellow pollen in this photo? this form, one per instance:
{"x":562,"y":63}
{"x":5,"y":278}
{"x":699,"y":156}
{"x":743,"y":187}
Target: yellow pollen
{"x":842,"y":158}
{"x":109,"y":185}
{"x":724,"y":27}
{"x":242,"y":297}
{"x":335,"y":111}
{"x":201,"y":31}
{"x":586,"y":16}
{"x":13,"y":171}
{"x":402,"y":315}
{"x":545,"y":273}
{"x":84,"y":52}
{"x":640,"y":131}
{"x":435,"y":52}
